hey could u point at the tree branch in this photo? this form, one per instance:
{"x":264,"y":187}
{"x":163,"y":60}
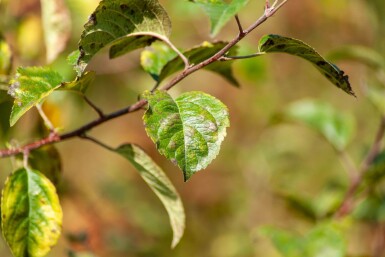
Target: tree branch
{"x":80,"y":132}
{"x":347,"y":202}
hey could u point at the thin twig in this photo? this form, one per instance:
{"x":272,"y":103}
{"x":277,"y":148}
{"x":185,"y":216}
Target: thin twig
{"x":239,"y":24}
{"x":347,"y":202}
{"x":46,"y":120}
{"x":96,"y":141}
{"x":93,"y":106}
{"x":55,"y":138}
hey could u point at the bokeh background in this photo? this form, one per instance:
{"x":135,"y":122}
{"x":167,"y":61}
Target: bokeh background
{"x":110,"y":211}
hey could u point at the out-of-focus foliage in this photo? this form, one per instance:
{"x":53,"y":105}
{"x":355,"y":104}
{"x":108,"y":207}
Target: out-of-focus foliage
{"x":264,"y":175}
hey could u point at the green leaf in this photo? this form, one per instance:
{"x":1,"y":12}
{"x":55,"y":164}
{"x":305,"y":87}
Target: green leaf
{"x":198,"y":54}
{"x":155,"y":57}
{"x":57,"y":27}
{"x":29,"y":87}
{"x":157,"y":180}
{"x":361,"y":54}
{"x":31,"y":213}
{"x":47,"y":160}
{"x":5,"y":57}
{"x":220,"y":12}
{"x":338,"y":128}
{"x":276,"y":43}
{"x":288,"y":244}
{"x":188,"y":130}
{"x":125,"y":25}
{"x":80,"y":84}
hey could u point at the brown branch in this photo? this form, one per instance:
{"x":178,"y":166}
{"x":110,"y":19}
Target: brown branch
{"x":55,"y":138}
{"x":347,"y":203}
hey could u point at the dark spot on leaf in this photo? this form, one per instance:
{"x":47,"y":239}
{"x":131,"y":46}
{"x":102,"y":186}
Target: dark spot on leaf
{"x":4,"y":216}
{"x":281,"y":46}
{"x":321,"y":63}
{"x":101,"y":45}
{"x":269,"y":42}
{"x":132,"y":12}
{"x":92,"y":45}
{"x":104,"y":7}
{"x":92,"y":19}
{"x":123,"y":7}
{"x":328,"y":76}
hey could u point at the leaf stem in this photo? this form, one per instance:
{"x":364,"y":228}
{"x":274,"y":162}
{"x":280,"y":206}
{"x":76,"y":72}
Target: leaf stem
{"x":46,"y":120}
{"x":96,"y":141}
{"x":79,"y":132}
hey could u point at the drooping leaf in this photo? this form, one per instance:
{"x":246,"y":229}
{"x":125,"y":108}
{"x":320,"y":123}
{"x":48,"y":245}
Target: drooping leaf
{"x":47,"y":160}
{"x":155,"y":57}
{"x":157,"y":180}
{"x":337,"y":127}
{"x":29,"y":87}
{"x":80,"y":84}
{"x":220,"y":12}
{"x":5,"y":57}
{"x":198,"y":54}
{"x":31,"y":213}
{"x":276,"y":43}
{"x":188,"y":130}
{"x":57,"y":27}
{"x":125,"y":25}
{"x":362,"y":54}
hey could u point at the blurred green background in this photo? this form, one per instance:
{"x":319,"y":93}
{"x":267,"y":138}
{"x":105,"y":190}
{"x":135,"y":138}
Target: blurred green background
{"x":264,"y":166}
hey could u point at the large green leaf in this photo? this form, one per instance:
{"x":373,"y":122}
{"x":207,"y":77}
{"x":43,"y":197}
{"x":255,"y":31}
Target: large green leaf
{"x":188,"y":130}
{"x":157,"y":180}
{"x":126,"y":25}
{"x":29,"y":87}
{"x":220,"y":12}
{"x":57,"y":27}
{"x":276,"y":43}
{"x":198,"y":54}
{"x":5,"y":57}
{"x":337,"y":127}
{"x":31,"y":213}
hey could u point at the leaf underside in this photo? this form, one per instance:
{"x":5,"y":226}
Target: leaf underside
{"x":157,"y":180}
{"x":29,"y":87}
{"x":187,"y":130}
{"x":124,"y":25}
{"x":276,"y":43}
{"x":220,"y":12}
{"x":31,"y":213}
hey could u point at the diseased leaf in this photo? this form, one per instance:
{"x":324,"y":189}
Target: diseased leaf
{"x":5,"y":57}
{"x":80,"y":84}
{"x":57,"y":27}
{"x":187,"y":130}
{"x":31,"y":213}
{"x":358,"y":53}
{"x":220,"y":12}
{"x":337,"y":127}
{"x":276,"y":43}
{"x":155,"y":57}
{"x":29,"y":87}
{"x":198,"y":54}
{"x":47,"y":159}
{"x":157,"y":180}
{"x":125,"y":25}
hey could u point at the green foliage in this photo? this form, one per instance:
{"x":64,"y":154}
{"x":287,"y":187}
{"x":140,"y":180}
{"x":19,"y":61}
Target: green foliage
{"x":31,"y":213}
{"x":125,"y":24}
{"x":280,"y":44}
{"x":187,"y":130}
{"x":338,"y":128}
{"x":155,"y":57}
{"x":80,"y":84}
{"x":220,"y":12}
{"x":325,"y":240}
{"x":29,"y":87}
{"x":160,"y":184}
